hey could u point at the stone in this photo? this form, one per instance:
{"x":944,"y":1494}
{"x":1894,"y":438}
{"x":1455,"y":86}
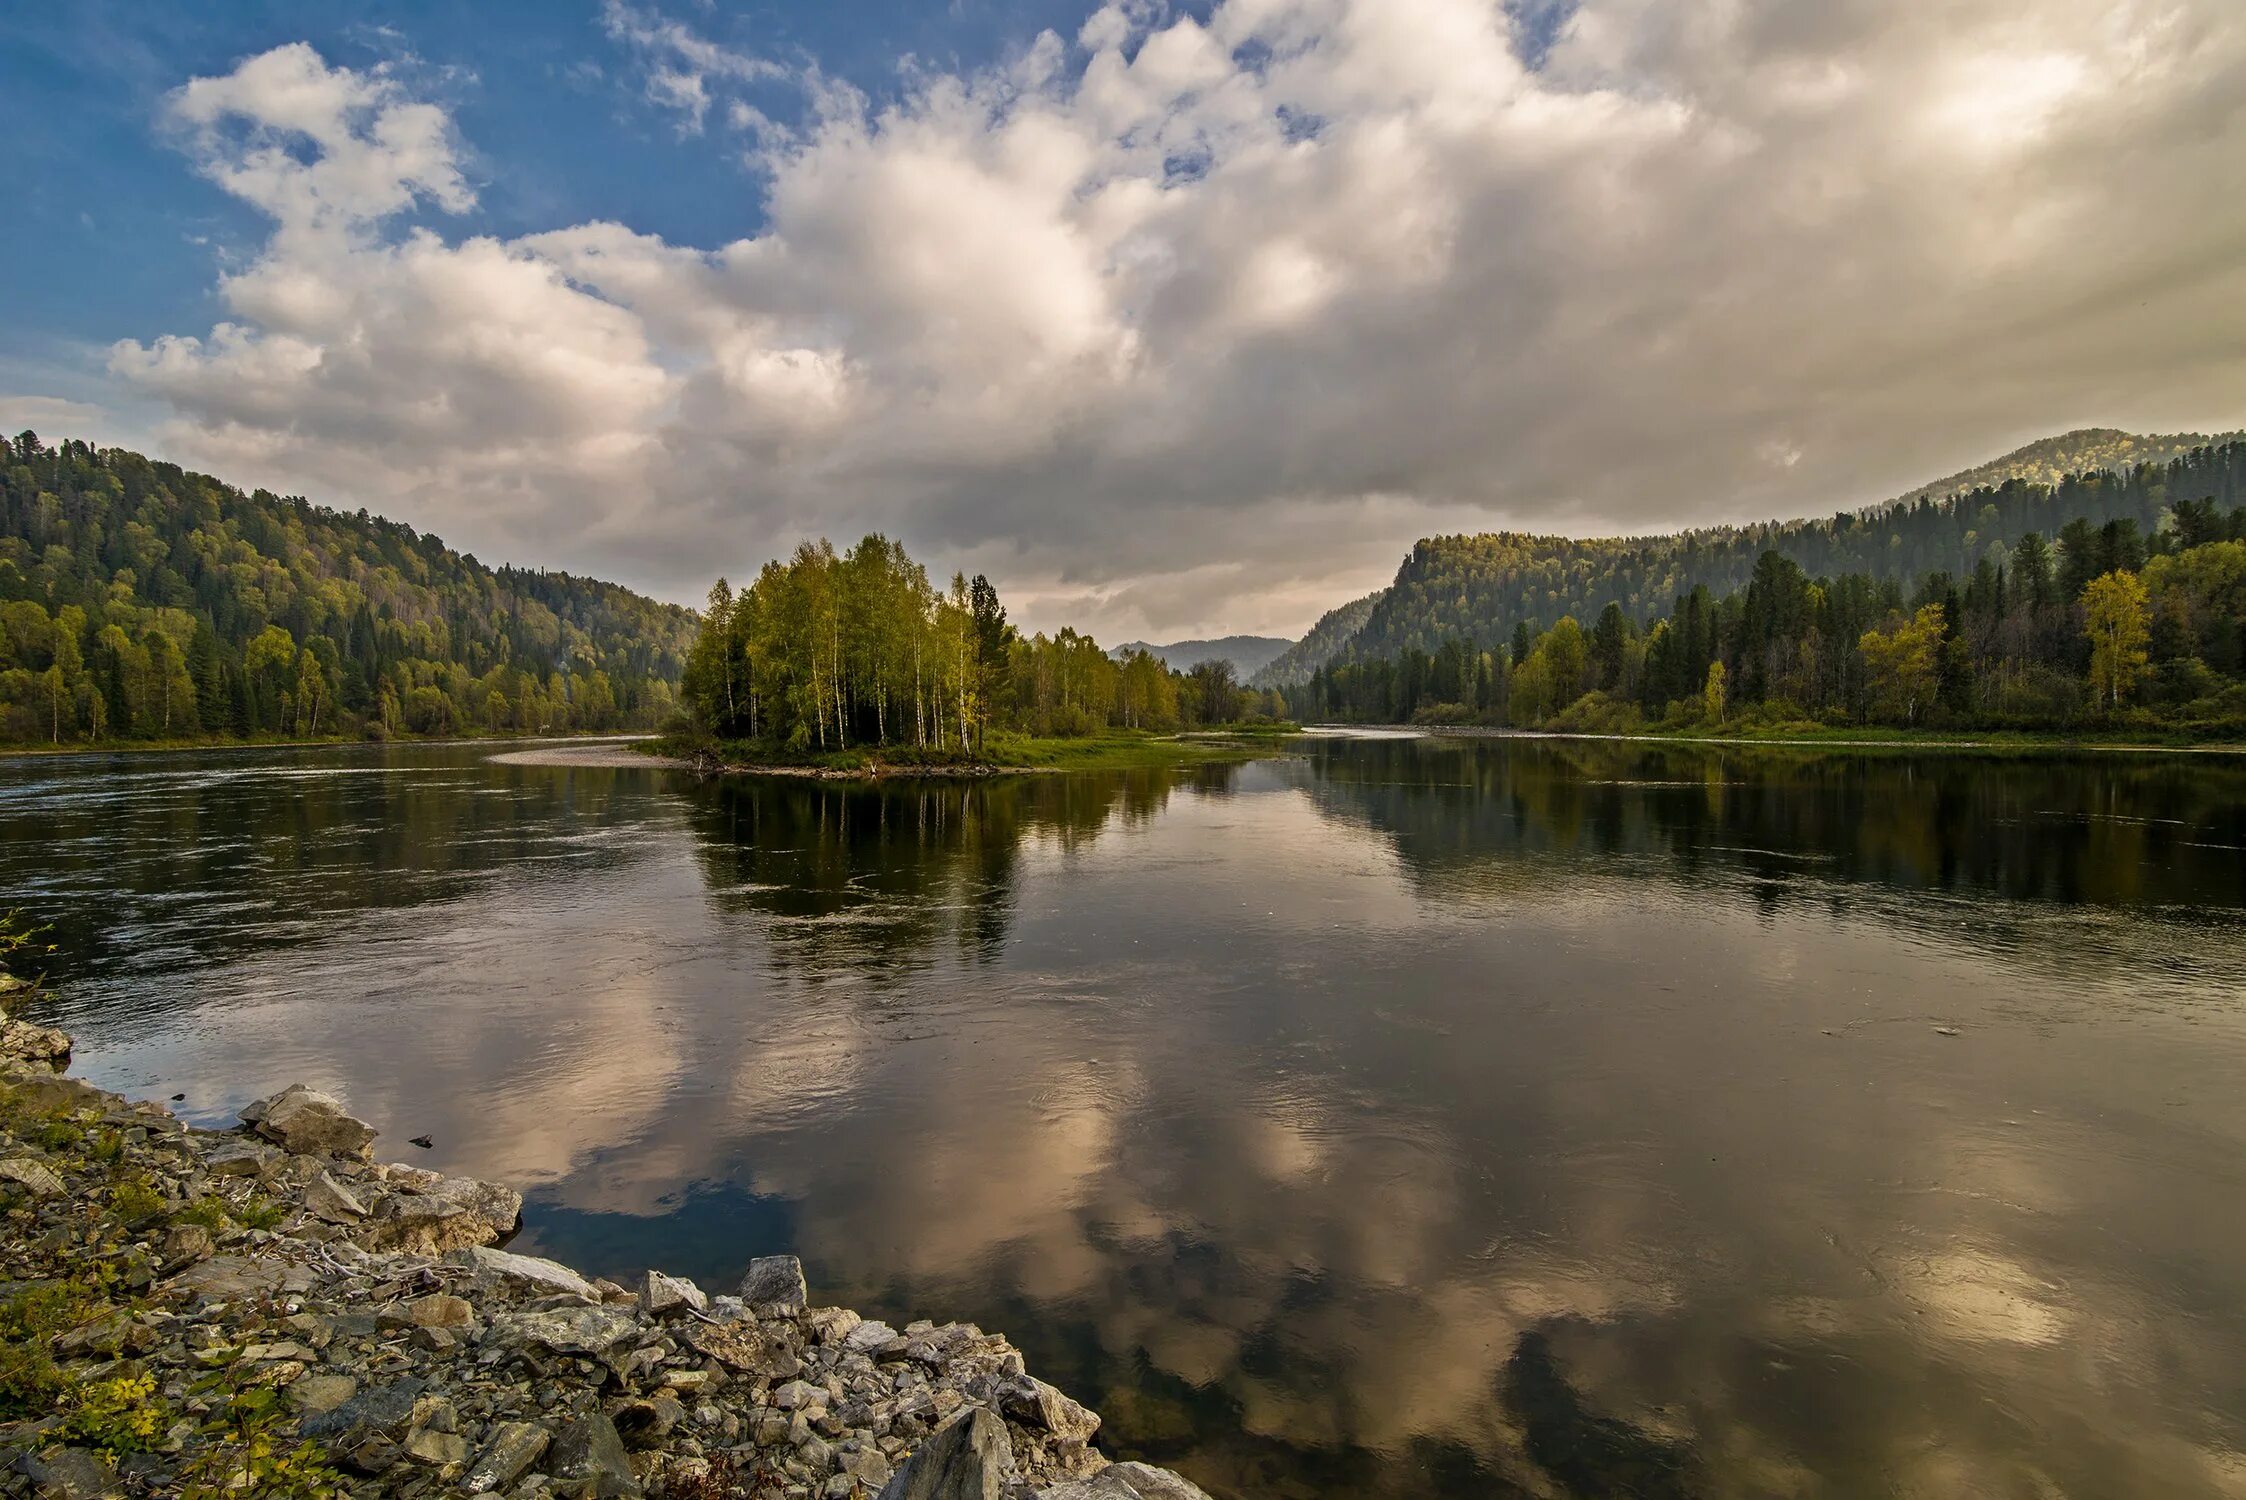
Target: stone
{"x":228,"y":1277}
{"x":1035,"y":1404}
{"x":185,"y":1245}
{"x":446,"y":1214}
{"x":70,"y":1474}
{"x":1129,"y":1481}
{"x":831,"y":1325}
{"x":314,"y":1394}
{"x":43,"y":1046}
{"x":309,"y":1123}
{"x":589,"y":1460}
{"x":644,"y":1424}
{"x":241,"y":1157}
{"x":775,"y":1281}
{"x":438,"y":1450}
{"x":737,"y":1345}
{"x":869,"y":1467}
{"x":34,"y":1177}
{"x":590,"y":1331}
{"x":363,"y":1432}
{"x":869,"y":1337}
{"x":325,"y":1198}
{"x":511,"y":1449}
{"x":661,"y":1294}
{"x":969,"y":1458}
{"x":798,"y":1394}
{"x":523,"y":1271}
{"x":440,"y":1310}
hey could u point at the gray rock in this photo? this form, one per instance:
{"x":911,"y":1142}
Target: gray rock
{"x":364,"y":1431}
{"x":20,"y":1041}
{"x":507,"y":1268}
{"x":970,"y":1458}
{"x":661,"y":1294}
{"x":567,"y":1330}
{"x":309,"y":1123}
{"x":797,"y":1394}
{"x":433,"y":1215}
{"x":869,"y":1337}
{"x":440,"y":1310}
{"x":775,"y":1281}
{"x":589,"y":1460}
{"x":185,"y":1245}
{"x":1126,"y":1482}
{"x":1035,"y":1404}
{"x":325,"y":1198}
{"x":831,"y":1325}
{"x":69,"y":1474}
{"x":315,"y":1394}
{"x":34,"y":1177}
{"x":510,"y":1450}
{"x":241,"y":1158}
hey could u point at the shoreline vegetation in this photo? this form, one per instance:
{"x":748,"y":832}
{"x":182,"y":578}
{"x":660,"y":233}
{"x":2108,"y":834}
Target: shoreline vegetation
{"x":1828,"y":737}
{"x":268,"y":1313}
{"x":1002,"y":755}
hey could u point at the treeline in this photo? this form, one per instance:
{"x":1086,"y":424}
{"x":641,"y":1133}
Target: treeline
{"x":1477,"y":587}
{"x":139,"y":601}
{"x":829,"y":652}
{"x":2108,"y":626}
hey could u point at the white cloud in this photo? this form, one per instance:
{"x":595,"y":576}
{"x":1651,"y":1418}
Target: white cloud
{"x":1283,"y":290}
{"x":681,"y":65}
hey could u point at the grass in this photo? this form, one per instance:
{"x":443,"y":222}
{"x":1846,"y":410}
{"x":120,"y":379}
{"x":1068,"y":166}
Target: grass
{"x":1117,"y":750}
{"x":1882,"y":737}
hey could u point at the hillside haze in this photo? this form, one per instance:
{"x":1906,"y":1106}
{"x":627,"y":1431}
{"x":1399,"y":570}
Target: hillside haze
{"x":1480,"y":587}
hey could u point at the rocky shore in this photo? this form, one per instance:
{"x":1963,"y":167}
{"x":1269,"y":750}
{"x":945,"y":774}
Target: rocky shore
{"x":270,"y":1312}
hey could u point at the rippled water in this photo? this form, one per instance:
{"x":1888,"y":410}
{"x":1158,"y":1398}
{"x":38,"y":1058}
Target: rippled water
{"x":1402,"y":1118}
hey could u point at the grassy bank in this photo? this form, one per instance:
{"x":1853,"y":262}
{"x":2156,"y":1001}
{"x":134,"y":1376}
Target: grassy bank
{"x":300,"y":742}
{"x":1117,"y":750}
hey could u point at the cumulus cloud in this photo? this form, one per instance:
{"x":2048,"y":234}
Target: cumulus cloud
{"x":1254,"y":300}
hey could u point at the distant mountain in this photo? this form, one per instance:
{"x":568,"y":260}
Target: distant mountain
{"x":1248,"y":654}
{"x":1480,"y":587}
{"x":1329,"y":635}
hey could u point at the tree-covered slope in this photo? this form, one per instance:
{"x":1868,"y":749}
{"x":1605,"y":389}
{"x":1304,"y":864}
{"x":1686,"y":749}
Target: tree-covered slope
{"x":1326,"y":639}
{"x":1248,"y":654}
{"x":1482,"y":587}
{"x":142,"y":601}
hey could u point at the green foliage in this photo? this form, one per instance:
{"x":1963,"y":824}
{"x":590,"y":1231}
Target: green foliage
{"x":209,"y":1212}
{"x":829,"y":658}
{"x":135,"y":1201}
{"x":119,"y":1415}
{"x":31,"y":1383}
{"x":260,"y":1212}
{"x":139,"y":601}
{"x":251,"y":1457}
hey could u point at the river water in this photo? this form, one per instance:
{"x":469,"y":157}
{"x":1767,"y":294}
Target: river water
{"x":1398,"y":1118}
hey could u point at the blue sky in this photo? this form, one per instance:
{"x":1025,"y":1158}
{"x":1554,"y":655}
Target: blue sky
{"x":1176,"y":318}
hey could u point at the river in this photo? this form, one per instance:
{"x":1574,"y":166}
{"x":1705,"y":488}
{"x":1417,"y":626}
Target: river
{"x":1400,"y":1117}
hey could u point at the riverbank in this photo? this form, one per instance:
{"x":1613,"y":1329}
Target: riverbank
{"x":269,"y":1311}
{"x":1006,"y":755}
{"x":1989,"y":743}
{"x":321,"y":742}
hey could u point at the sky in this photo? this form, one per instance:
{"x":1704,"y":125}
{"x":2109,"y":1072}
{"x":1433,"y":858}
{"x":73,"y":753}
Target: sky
{"x":1174,"y":319}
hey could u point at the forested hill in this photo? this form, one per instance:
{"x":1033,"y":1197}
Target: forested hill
{"x":1332,"y":632}
{"x":142,"y":601}
{"x":1481,"y":588}
{"x":1248,"y":654}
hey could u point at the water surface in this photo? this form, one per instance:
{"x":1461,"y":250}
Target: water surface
{"x":1402,"y":1118}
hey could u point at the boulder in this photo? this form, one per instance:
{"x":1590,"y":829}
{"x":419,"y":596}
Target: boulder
{"x":661,"y":1294}
{"x":69,"y":1474}
{"x":184,"y":1245}
{"x":314,"y":1394}
{"x":588,"y":1460}
{"x":775,"y":1283}
{"x":437,"y":1215}
{"x":969,"y":1458}
{"x":364,"y":1432}
{"x":33,"y":1176}
{"x":41,"y":1046}
{"x":869,"y":1337}
{"x":548,"y":1277}
{"x":1127,"y":1482}
{"x":440,"y":1310}
{"x":242,"y":1158}
{"x":1033,"y":1403}
{"x":327,"y":1199}
{"x":591,"y":1331}
{"x":309,"y":1123}
{"x":511,"y":1449}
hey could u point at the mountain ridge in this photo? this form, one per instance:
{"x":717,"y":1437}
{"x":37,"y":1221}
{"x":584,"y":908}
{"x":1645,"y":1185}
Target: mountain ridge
{"x":1482,"y":585}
